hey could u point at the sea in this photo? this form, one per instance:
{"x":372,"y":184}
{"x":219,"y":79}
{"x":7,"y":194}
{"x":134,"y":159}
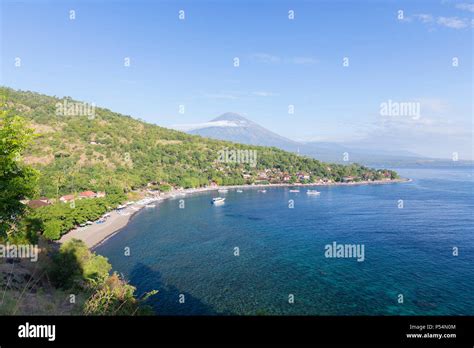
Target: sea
{"x":392,"y":249}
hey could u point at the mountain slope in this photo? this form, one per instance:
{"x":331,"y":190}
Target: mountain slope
{"x":107,"y":150}
{"x":236,"y":128}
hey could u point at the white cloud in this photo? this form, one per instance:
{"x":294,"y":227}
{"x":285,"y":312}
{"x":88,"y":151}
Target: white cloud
{"x":265,"y":58}
{"x":424,"y":18}
{"x":452,"y":22}
{"x":449,"y":22}
{"x":435,"y":137}
{"x":224,"y":95}
{"x":435,"y":120}
{"x":193,"y":126}
{"x":465,"y":7}
{"x":304,"y":60}
{"x":264,"y":94}
{"x":432,"y":105}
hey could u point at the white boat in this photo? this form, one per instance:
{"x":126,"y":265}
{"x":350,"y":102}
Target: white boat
{"x":313,"y":192}
{"x":262,"y":191}
{"x":240,"y":191}
{"x":294,"y":190}
{"x":218,"y":200}
{"x":223,"y":190}
{"x":150,"y":205}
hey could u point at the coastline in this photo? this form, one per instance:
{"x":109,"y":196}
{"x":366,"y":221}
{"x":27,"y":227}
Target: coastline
{"x":96,"y":234}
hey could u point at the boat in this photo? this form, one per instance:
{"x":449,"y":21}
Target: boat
{"x":294,"y":190}
{"x":150,"y":205}
{"x":218,"y":200}
{"x":262,"y":191}
{"x":223,"y":190}
{"x":313,"y":192}
{"x":240,"y":191}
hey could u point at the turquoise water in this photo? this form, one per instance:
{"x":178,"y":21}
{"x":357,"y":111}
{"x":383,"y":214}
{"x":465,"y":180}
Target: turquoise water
{"x":408,"y":251}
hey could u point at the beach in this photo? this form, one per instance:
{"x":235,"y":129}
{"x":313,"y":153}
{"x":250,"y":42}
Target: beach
{"x":94,"y":234}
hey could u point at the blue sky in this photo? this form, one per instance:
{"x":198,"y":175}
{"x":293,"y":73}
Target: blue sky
{"x":299,"y":62}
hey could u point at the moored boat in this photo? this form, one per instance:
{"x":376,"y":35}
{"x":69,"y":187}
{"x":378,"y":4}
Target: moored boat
{"x":218,"y":200}
{"x":313,"y":192}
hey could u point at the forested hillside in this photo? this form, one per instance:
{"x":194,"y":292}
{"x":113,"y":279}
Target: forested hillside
{"x":106,"y":150}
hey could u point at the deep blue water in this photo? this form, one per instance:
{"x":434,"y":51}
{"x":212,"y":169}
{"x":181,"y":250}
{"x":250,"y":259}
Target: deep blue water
{"x":408,"y":251}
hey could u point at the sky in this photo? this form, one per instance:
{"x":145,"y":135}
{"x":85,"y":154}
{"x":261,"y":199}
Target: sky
{"x":188,"y":64}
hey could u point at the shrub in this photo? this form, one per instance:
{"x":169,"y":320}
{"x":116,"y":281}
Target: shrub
{"x":65,"y":271}
{"x":116,"y":297}
{"x":96,"y":268}
{"x":164,"y":188}
{"x":74,"y":264}
{"x":52,"y":229}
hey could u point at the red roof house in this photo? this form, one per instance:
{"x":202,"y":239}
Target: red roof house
{"x":67,"y":198}
{"x":87,"y":194}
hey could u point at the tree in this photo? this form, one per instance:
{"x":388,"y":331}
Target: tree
{"x":52,"y":229}
{"x":129,"y":154}
{"x":17,"y":180}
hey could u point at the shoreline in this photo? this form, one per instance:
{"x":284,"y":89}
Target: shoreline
{"x":96,"y":234}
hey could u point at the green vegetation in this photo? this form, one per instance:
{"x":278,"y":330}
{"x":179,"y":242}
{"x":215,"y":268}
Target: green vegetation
{"x":72,"y":280}
{"x":76,"y":153}
{"x":115,"y":154}
{"x":17,"y":181}
{"x":59,"y":218}
{"x":73,"y":267}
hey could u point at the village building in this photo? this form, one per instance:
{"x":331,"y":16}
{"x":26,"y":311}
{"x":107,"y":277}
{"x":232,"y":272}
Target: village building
{"x":38,"y":203}
{"x":87,"y":194}
{"x":66,"y":198}
{"x":349,"y":178}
